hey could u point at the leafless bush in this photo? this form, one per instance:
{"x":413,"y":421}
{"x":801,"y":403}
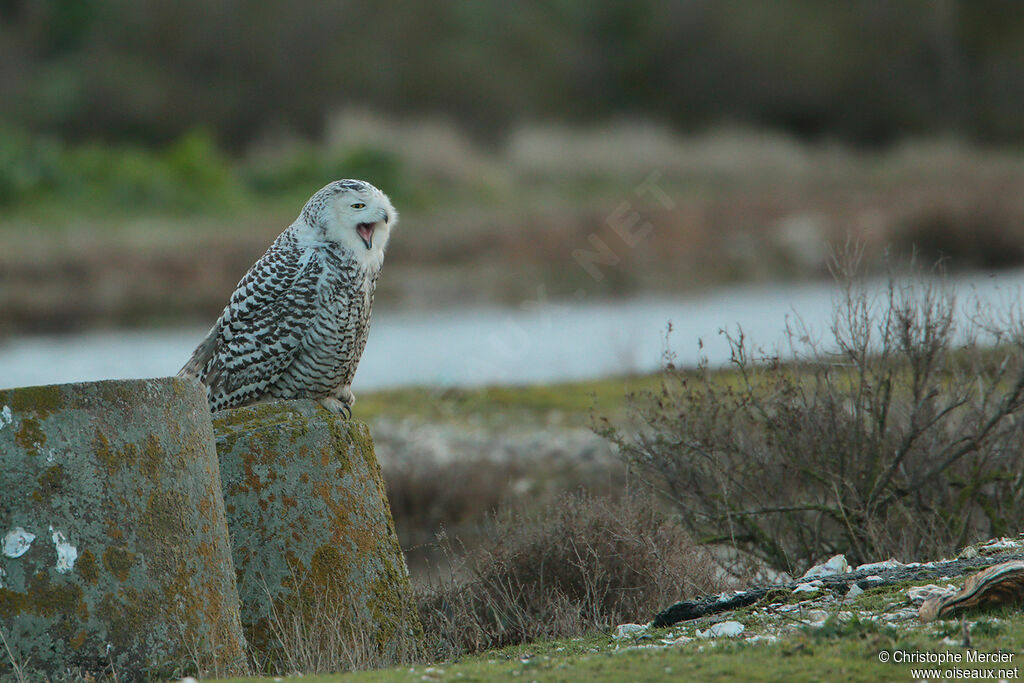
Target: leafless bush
{"x":582,"y":565}
{"x":900,"y":438}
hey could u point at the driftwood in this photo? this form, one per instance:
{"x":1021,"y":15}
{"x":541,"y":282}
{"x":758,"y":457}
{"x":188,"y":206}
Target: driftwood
{"x":868,"y":578}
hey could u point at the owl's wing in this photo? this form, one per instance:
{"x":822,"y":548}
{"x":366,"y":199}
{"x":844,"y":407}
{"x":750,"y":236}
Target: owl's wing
{"x":260,"y":330}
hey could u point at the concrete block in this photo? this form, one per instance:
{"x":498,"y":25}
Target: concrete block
{"x":114,"y":553}
{"x":314,"y":542}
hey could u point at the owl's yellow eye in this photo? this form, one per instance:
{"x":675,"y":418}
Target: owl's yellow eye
{"x":358,"y":205}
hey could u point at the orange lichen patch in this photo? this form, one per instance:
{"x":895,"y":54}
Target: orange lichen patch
{"x":12,"y":603}
{"x":118,"y":561}
{"x":60,"y":602}
{"x":114,"y":532}
{"x":50,"y":482}
{"x":104,"y":453}
{"x":87,"y":567}
{"x":30,"y":436}
{"x":78,"y":640}
{"x":153,"y":457}
{"x":41,"y":401}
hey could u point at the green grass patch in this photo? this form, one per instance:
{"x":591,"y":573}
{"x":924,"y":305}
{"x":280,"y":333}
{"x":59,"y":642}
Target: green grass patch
{"x":848,"y":651}
{"x":567,"y":404}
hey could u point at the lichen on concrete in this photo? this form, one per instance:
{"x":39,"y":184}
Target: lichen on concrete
{"x":130,"y":566}
{"x":311,"y":528}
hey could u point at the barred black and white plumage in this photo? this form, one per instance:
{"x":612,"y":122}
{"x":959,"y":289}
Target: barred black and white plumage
{"x":296,"y":325}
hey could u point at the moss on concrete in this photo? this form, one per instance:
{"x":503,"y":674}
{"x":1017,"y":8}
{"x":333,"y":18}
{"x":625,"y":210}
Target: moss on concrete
{"x":310,"y":525}
{"x":125,"y":474}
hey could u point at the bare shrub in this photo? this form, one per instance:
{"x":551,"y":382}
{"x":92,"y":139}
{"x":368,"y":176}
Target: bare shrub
{"x":902,"y":437}
{"x":582,"y":565}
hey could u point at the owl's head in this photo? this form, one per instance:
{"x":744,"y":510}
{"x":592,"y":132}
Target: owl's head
{"x":355,"y":214}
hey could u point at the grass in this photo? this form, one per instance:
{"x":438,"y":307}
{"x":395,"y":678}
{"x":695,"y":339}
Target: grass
{"x":848,"y":651}
{"x":563,"y":404}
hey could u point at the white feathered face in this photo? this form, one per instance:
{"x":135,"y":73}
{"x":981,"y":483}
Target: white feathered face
{"x":356,"y":215}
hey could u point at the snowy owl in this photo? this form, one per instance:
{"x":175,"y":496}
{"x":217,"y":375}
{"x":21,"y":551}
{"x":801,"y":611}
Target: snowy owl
{"x":296,"y":325}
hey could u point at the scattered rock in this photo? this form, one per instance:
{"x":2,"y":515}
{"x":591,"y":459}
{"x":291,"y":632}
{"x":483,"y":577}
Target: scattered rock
{"x":919,"y":594}
{"x":817,"y":617}
{"x":836,"y":564}
{"x":724,"y":629}
{"x":880,"y":566}
{"x":1000,"y":545}
{"x":809,"y":587}
{"x":629,"y":631}
{"x":854,"y":591}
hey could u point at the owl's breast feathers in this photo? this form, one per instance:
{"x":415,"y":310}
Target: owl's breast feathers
{"x":294,"y":327}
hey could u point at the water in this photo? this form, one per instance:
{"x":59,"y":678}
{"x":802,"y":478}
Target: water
{"x":474,"y":346}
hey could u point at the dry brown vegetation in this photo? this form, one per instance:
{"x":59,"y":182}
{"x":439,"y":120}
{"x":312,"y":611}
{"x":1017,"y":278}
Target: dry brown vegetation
{"x":899,"y":437}
{"x":580,"y":565}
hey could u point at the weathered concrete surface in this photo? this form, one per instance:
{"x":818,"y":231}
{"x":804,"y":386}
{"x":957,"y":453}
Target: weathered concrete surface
{"x":114,"y":551}
{"x":312,"y":531}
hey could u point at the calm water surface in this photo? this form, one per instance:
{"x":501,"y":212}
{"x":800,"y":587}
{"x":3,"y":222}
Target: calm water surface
{"x":474,"y":346}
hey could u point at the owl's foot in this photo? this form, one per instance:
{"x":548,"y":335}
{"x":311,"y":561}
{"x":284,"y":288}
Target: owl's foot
{"x":337,"y":407}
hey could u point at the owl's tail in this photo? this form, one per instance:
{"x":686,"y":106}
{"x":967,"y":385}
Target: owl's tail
{"x":201,"y":356}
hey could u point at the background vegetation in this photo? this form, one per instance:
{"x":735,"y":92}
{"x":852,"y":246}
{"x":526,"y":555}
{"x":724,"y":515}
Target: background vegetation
{"x":868,"y":72}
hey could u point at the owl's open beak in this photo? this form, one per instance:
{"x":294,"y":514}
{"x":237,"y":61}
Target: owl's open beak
{"x":365,"y":231}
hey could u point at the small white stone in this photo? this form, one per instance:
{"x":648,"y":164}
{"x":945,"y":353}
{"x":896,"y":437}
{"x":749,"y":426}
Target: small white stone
{"x":3,"y":575}
{"x":817,"y":617}
{"x":682,"y":640}
{"x":628,"y":631}
{"x":723,"y":629}
{"x":854,"y":591}
{"x":810,"y":587}
{"x":6,"y":417}
{"x":189,"y":679}
{"x":17,"y":542}
{"x":836,"y":564}
{"x":891,"y":563}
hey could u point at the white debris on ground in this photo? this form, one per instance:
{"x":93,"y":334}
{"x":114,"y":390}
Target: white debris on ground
{"x":918,"y":594}
{"x":993,"y":547}
{"x":809,"y":587}
{"x":629,"y":630}
{"x":723,"y":629}
{"x":836,"y":564}
{"x":879,"y":566}
{"x":1001,"y":545}
{"x":813,"y":606}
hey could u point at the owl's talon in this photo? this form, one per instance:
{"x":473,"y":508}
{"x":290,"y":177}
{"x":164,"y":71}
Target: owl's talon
{"x":337,"y":407}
